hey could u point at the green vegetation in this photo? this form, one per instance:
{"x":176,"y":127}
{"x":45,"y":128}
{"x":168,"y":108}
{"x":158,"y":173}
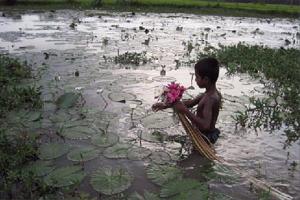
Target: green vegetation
{"x":132,"y":58}
{"x":195,"y":6}
{"x":17,"y":150}
{"x":279,"y":72}
{"x":14,"y":92}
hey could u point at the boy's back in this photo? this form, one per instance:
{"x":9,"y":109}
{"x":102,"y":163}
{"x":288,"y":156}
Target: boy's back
{"x":213,"y":98}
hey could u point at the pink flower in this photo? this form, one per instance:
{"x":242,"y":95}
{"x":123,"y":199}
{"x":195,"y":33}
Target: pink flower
{"x":172,"y":92}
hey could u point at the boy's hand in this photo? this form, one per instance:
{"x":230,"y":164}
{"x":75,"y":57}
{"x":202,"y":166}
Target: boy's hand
{"x":158,"y":106}
{"x":179,"y":107}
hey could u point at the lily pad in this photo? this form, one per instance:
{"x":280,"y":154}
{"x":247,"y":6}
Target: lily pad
{"x":114,"y":88}
{"x":138,"y":153}
{"x":104,"y":140}
{"x":108,"y":180}
{"x":39,"y":168}
{"x":102,"y":115}
{"x":161,"y":174}
{"x":24,"y":116}
{"x":147,"y":196}
{"x":70,"y":124}
{"x":83,"y":154}
{"x":138,"y":112}
{"x":180,"y":187}
{"x":33,"y":116}
{"x":121,"y":96}
{"x":154,"y":136}
{"x":60,"y":117}
{"x":65,"y":176}
{"x":119,"y":150}
{"x":158,"y":120}
{"x":135,"y":76}
{"x":53,"y":150}
{"x":78,"y":132}
{"x":67,"y":100}
{"x":16,"y":116}
{"x":160,"y":157}
{"x":200,"y":192}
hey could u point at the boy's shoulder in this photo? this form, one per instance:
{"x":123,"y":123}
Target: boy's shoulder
{"x":214,"y":97}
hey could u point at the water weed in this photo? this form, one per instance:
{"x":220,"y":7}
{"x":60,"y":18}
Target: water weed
{"x":13,"y":92}
{"x":278,"y":70}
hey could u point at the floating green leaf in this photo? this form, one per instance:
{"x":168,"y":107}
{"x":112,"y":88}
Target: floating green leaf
{"x":158,"y":120}
{"x":138,"y":153}
{"x":24,"y":116}
{"x":154,"y":136}
{"x":197,"y":193}
{"x":161,"y":174}
{"x":53,"y":150}
{"x":67,"y":100}
{"x":222,"y":173}
{"x":104,"y":140}
{"x":33,"y":116}
{"x":83,"y":154}
{"x":108,"y":180}
{"x":60,"y":117}
{"x":121,"y":96}
{"x":219,"y":196}
{"x":119,"y":150}
{"x":160,"y":157}
{"x":39,"y":168}
{"x":147,"y":196}
{"x":70,"y":124}
{"x":180,"y":187}
{"x":65,"y":176}
{"x":78,"y":132}
{"x":102,"y":115}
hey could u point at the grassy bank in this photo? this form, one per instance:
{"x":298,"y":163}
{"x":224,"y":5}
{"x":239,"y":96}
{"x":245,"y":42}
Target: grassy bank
{"x":190,"y":6}
{"x":278,"y":70}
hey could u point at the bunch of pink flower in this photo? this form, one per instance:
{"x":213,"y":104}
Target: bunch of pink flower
{"x":173,"y":92}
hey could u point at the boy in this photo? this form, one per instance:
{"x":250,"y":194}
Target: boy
{"x":209,"y":103}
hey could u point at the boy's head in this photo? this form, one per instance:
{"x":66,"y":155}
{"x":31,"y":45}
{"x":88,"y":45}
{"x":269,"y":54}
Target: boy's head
{"x":207,"y":71}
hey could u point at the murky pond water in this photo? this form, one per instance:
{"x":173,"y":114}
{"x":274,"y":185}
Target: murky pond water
{"x":114,"y":125}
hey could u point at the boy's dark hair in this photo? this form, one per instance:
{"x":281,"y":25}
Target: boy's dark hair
{"x":208,"y":67}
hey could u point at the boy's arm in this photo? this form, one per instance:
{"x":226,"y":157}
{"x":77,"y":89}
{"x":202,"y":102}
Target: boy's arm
{"x":188,"y":103}
{"x":203,"y":123}
{"x":192,"y":102}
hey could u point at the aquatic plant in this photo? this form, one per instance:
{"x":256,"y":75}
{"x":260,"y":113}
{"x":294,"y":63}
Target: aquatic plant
{"x":147,"y":196}
{"x":132,"y":58}
{"x":161,"y":174}
{"x":14,"y":94}
{"x":108,"y":180}
{"x":278,"y":70}
{"x":17,"y":151}
{"x":65,"y":176}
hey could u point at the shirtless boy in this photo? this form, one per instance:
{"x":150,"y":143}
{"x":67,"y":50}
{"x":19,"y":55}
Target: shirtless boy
{"x":209,"y":103}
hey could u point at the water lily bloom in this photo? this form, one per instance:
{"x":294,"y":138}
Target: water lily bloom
{"x":172,"y":92}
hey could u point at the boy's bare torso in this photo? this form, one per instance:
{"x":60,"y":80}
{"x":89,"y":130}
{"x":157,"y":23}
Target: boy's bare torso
{"x":205,"y":98}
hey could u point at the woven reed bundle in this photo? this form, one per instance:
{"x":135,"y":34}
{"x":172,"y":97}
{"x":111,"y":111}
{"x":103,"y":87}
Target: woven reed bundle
{"x":205,"y":149}
{"x":198,"y":139}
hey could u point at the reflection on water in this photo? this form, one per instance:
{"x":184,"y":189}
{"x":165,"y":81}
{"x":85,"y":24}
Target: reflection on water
{"x":48,"y":40}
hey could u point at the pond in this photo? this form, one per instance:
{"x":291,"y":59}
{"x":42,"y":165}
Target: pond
{"x":116,"y":63}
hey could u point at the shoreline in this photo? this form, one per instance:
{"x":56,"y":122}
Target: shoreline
{"x":161,"y":6}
